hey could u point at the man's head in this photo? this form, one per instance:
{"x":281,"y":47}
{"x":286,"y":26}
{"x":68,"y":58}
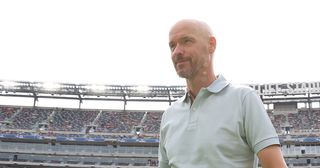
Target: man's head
{"x":192,"y":46}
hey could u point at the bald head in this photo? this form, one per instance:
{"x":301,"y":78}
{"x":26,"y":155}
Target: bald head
{"x":194,"y":28}
{"x":201,"y":28}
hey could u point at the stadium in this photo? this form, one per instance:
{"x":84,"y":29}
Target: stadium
{"x":43,"y":136}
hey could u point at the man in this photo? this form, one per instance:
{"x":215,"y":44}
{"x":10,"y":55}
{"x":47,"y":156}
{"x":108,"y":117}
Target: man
{"x":216,"y":124}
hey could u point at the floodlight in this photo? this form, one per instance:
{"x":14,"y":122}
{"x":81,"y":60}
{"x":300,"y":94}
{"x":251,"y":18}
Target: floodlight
{"x":51,"y":86}
{"x":109,"y":88}
{"x":143,"y":88}
{"x":97,"y":88}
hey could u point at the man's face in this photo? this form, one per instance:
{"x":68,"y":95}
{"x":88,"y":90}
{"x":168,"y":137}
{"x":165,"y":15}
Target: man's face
{"x":189,"y":50}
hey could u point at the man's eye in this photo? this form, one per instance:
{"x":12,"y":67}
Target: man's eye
{"x":172,"y":47}
{"x":187,"y":41}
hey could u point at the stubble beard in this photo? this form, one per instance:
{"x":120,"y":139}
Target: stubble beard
{"x":187,"y":74}
{"x":196,"y":69}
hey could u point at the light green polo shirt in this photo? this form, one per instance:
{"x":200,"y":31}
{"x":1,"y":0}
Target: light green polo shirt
{"x":225,"y":127}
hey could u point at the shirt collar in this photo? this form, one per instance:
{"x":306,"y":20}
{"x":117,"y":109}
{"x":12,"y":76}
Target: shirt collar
{"x":215,"y":87}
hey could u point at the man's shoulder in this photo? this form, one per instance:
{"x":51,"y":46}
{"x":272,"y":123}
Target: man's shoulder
{"x":240,"y":88}
{"x":177,"y":103}
{"x":221,"y":84}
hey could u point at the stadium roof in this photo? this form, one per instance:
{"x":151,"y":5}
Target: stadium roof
{"x":270,"y":93}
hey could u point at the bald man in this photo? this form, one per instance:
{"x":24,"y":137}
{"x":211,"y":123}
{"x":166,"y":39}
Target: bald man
{"x":215,"y":124}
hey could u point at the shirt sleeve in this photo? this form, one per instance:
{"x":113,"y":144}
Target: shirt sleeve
{"x":162,"y":154}
{"x":259,"y":130}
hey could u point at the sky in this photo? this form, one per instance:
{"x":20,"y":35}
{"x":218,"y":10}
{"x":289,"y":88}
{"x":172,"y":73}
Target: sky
{"x":126,"y":41}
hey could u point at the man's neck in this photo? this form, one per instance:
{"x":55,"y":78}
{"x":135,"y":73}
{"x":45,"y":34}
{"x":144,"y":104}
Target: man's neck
{"x":194,"y":85}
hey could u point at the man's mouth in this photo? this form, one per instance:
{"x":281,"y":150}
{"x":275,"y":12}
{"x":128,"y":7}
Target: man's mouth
{"x":181,"y":62}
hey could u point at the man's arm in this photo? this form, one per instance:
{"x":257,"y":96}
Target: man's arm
{"x":162,"y":153}
{"x":271,"y":157}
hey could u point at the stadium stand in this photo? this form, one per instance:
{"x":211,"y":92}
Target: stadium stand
{"x":32,"y":136}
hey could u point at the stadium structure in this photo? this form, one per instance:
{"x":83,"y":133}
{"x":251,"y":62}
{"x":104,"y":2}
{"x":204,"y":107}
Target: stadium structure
{"x":37,"y":136}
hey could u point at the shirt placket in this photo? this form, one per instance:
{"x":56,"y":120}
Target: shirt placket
{"x":193,"y":112}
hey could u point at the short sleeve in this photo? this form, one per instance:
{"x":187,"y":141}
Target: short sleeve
{"x":162,"y":155}
{"x":259,"y":130}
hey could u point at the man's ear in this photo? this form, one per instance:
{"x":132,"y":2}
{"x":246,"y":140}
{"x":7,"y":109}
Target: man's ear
{"x":212,"y":44}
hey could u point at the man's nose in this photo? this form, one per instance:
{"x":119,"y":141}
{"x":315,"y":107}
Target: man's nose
{"x":178,"y":50}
